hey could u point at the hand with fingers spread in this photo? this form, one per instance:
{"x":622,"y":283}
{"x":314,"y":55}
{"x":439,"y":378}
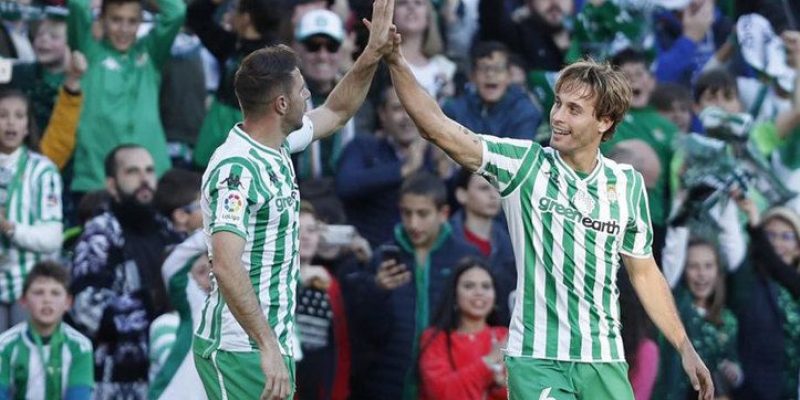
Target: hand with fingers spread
{"x":392,"y":275}
{"x":277,"y":386}
{"x":699,"y":376}
{"x":381,"y":29}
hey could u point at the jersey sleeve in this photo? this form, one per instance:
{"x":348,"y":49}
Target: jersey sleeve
{"x":505,"y":161}
{"x":638,"y":237}
{"x":231,"y":191}
{"x":81,"y":370}
{"x":5,"y":373}
{"x":301,"y":138}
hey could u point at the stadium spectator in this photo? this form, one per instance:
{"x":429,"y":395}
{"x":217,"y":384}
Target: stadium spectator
{"x":116,"y":274}
{"x":40,"y":80}
{"x":402,"y":286}
{"x":324,"y":371}
{"x":674,"y":102}
{"x":122,"y":83}
{"x":423,"y":46}
{"x":254,"y":24}
{"x":769,"y":327}
{"x":178,"y":199}
{"x":476,"y":223}
{"x":491,"y":103}
{"x":186,"y":274}
{"x":461,"y":354}
{"x":712,"y":327}
{"x":374,"y":166}
{"x":31,"y":219}
{"x":44,"y":358}
{"x":644,"y":123}
{"x":687,"y":36}
{"x":540,"y":36}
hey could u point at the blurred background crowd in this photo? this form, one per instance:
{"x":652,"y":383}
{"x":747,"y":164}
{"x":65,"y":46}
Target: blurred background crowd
{"x":110,"y":111}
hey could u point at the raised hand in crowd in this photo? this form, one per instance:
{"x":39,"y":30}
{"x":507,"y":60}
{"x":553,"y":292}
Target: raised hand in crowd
{"x":697,"y":19}
{"x":76,"y":66}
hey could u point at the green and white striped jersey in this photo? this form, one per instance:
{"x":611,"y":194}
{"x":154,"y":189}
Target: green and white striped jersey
{"x":172,"y":371}
{"x":24,"y":373}
{"x":33,"y":198}
{"x":567,"y":232}
{"x":251,"y":191}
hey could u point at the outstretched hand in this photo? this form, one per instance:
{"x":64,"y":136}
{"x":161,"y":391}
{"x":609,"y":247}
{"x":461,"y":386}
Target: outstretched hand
{"x":381,"y":29}
{"x":699,"y":376}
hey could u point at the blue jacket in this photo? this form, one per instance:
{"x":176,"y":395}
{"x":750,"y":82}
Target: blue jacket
{"x":501,"y":261}
{"x":680,"y":59}
{"x":514,"y":116}
{"x":368,"y":183}
{"x":387,"y":320}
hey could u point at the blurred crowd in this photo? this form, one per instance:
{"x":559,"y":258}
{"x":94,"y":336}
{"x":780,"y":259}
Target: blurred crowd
{"x":111,"y":109}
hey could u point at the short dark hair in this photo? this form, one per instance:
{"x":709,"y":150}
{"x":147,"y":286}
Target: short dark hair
{"x":177,"y":188}
{"x":427,"y":185}
{"x":715,"y":80}
{"x":47,"y":269}
{"x":267,"y":16}
{"x":110,"y":162}
{"x":486,"y":49}
{"x":32,"y":140}
{"x":106,"y":3}
{"x":264,"y":74}
{"x":630,"y":56}
{"x":462,"y":178}
{"x":666,"y":94}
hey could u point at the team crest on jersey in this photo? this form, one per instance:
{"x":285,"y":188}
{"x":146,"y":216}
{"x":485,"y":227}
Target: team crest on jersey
{"x":234,"y":181}
{"x":583,"y":202}
{"x":611,"y":193}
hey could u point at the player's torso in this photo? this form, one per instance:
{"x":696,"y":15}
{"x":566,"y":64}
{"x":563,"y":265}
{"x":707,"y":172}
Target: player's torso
{"x":568,"y":230}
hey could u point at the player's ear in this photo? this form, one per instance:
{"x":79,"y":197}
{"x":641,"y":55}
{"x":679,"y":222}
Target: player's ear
{"x":604,"y":124}
{"x":281,"y":105}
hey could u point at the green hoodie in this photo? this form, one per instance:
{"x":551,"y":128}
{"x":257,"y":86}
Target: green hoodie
{"x":120,"y":91}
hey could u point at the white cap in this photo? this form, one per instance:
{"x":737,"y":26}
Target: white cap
{"x":673,"y":4}
{"x":320,"y":22}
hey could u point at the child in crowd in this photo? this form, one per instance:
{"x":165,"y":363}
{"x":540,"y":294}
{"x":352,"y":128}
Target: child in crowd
{"x":43,"y":358}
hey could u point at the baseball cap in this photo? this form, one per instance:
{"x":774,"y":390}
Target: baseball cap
{"x":320,"y":22}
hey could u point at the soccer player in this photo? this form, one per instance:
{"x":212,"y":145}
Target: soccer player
{"x":250,"y":201}
{"x":571,"y":214}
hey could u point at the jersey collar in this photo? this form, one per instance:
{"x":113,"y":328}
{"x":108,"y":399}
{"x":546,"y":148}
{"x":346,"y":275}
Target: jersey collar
{"x":237,"y":129}
{"x":566,"y":168}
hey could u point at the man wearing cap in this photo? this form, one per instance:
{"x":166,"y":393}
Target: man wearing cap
{"x":319,"y":35}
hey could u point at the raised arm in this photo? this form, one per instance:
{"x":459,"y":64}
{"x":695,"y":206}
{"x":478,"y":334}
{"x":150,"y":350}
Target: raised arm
{"x":350,"y":92}
{"x":461,"y":144}
{"x":655,"y":295}
{"x":171,"y":15}
{"x":789,"y":119}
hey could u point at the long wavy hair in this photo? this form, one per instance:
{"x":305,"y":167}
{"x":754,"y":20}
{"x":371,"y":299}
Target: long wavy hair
{"x":448,"y":316}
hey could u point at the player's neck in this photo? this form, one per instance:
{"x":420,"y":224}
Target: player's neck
{"x":478,"y":225}
{"x":266,"y":131}
{"x":583,"y":160}
{"x":43,"y":330}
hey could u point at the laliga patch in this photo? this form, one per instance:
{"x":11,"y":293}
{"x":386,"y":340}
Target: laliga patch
{"x":232,"y":208}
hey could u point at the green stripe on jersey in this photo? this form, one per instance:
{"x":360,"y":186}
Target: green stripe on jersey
{"x":569,"y":231}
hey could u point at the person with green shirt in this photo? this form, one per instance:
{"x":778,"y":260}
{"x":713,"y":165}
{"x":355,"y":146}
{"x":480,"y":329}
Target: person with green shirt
{"x":44,"y":358}
{"x":41,"y":80}
{"x":645,"y":123}
{"x":121,"y":86}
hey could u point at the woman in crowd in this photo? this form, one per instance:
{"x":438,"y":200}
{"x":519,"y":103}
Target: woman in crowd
{"x":712,"y":328}
{"x":422,"y":46}
{"x":768,"y":312}
{"x":460,"y":356}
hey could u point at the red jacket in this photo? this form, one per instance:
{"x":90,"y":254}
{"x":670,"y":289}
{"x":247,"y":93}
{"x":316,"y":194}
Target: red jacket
{"x":471,"y":378}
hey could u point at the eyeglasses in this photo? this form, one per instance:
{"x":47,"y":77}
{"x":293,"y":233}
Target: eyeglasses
{"x":314,"y":46}
{"x":783,"y":236}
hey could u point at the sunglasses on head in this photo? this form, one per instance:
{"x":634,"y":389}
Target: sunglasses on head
{"x":314,"y":46}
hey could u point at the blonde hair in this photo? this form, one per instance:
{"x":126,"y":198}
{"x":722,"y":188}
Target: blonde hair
{"x":605,"y":84}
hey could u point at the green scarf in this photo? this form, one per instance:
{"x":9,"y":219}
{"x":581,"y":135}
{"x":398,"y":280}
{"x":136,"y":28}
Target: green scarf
{"x":53,"y":364}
